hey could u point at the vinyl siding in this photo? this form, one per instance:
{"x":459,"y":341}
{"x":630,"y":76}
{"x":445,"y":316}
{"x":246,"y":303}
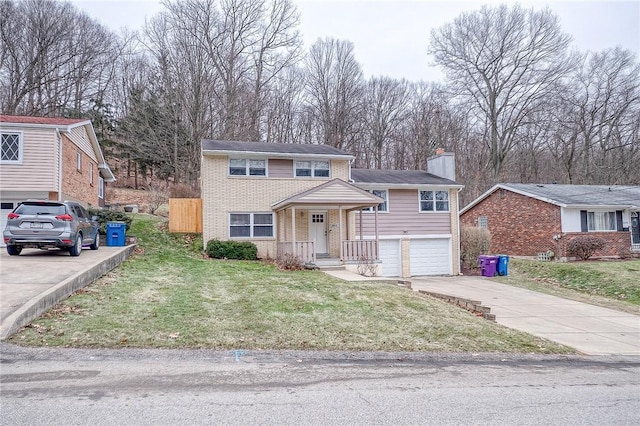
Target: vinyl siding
{"x":404,"y":216}
{"x":79,"y":137}
{"x":279,"y":168}
{"x":40,"y":160}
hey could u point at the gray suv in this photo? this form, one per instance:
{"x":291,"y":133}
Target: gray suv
{"x":45,"y":224}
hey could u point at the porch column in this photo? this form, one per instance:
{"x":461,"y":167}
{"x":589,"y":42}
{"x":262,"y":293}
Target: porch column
{"x":361,"y":224}
{"x":340,"y":231}
{"x":376,"y":226}
{"x":293,"y":230}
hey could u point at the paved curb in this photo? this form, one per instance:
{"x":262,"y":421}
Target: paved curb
{"x":44,"y":301}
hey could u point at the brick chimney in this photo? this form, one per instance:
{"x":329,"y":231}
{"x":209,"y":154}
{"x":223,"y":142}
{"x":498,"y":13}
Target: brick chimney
{"x":443,"y":164}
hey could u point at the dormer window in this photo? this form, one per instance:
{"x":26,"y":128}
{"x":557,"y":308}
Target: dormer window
{"x":312,"y":168}
{"x":247,"y":167}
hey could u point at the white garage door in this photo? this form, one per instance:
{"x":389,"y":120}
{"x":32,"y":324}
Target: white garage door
{"x":430,"y":256}
{"x":390,"y":257}
{"x":6,"y":208}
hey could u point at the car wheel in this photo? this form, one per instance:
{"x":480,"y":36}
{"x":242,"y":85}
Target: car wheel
{"x":77,"y":248}
{"x":14,"y":250}
{"x":96,"y":243}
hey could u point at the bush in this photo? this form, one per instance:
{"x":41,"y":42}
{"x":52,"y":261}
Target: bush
{"x":289,"y":262}
{"x":241,"y":250}
{"x":584,"y":247}
{"x":180,"y":190}
{"x":473,"y":242}
{"x":106,"y":215}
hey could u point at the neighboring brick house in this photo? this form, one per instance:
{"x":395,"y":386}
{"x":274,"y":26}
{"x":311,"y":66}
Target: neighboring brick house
{"x":50,"y":158}
{"x":306,"y":200}
{"x":528,"y":219}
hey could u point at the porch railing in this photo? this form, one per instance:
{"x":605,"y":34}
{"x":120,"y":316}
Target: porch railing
{"x":359,"y":250}
{"x":303,"y":249}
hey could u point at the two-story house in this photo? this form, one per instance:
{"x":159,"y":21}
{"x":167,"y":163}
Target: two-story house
{"x":306,"y":200}
{"x":50,"y":158}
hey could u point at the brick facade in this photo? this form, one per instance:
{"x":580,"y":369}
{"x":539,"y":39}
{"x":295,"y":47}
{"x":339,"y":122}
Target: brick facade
{"x":519,"y":225}
{"x":76,"y":184}
{"x":524,"y":226}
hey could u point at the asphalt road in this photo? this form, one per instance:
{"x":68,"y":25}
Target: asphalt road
{"x":109,"y":387}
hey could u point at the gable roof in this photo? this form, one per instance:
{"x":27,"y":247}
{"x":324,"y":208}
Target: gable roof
{"x":576,"y":196}
{"x":45,"y":121}
{"x":399,"y":178}
{"x":334,"y":192}
{"x":64,"y":125}
{"x":289,"y":150}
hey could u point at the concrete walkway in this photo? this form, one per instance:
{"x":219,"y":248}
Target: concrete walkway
{"x":590,"y":329}
{"x":36,"y":280}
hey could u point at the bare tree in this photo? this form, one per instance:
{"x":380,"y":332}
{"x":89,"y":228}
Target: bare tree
{"x":334,"y":88}
{"x":504,"y":61}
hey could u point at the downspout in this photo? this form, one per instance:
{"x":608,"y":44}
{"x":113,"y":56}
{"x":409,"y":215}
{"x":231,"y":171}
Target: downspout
{"x":458,"y":220}
{"x":59,"y":165}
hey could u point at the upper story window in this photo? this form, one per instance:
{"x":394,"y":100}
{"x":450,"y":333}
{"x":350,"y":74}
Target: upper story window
{"x":11,"y":151}
{"x":100,"y":187}
{"x":91,"y":174}
{"x":247,"y":167}
{"x":382,"y":207}
{"x":312,"y":168}
{"x":78,"y":160}
{"x":434,"y":201}
{"x":483,"y":222}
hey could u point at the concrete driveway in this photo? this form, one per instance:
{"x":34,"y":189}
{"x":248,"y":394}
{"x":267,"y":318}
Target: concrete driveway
{"x":36,"y":280}
{"x":590,"y":329}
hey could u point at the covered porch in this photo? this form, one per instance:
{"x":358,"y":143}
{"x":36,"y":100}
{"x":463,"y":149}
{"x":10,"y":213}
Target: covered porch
{"x":318,"y":224}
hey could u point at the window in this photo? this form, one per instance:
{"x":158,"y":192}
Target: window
{"x":247,"y":225}
{"x":78,"y":160}
{"x":312,"y":168}
{"x":482,"y":222}
{"x":247,"y":167}
{"x":434,"y":201}
{"x":11,"y":151}
{"x":601,"y":221}
{"x":91,"y":174}
{"x":382,"y":207}
{"x":100,"y":187}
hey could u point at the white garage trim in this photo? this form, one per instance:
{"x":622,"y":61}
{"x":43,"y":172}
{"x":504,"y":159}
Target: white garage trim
{"x":430,"y":256}
{"x":390,"y":257}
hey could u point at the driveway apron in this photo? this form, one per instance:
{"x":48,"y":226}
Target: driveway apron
{"x":589,"y":329}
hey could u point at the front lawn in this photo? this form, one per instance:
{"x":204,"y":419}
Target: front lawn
{"x":609,"y":283}
{"x":168,"y":295}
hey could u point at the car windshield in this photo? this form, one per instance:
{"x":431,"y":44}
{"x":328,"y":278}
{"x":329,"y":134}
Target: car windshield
{"x":40,"y":209}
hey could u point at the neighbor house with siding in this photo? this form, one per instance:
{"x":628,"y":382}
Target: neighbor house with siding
{"x":307,"y":201}
{"x":530,"y":220}
{"x":52,"y":159}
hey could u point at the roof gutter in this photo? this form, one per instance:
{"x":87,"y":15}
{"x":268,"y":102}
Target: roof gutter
{"x":247,"y":154}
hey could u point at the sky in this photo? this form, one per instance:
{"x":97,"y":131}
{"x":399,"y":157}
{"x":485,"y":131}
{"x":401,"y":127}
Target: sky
{"x":391,"y":37}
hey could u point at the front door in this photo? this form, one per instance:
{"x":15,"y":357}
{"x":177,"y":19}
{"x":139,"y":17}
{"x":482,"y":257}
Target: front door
{"x":635,"y":227}
{"x":318,"y":230}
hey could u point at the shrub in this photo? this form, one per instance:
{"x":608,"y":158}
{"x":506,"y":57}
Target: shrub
{"x":473,"y":242}
{"x":106,"y":215}
{"x":584,"y":247}
{"x":180,"y":190}
{"x":289,"y":262}
{"x":241,"y":250}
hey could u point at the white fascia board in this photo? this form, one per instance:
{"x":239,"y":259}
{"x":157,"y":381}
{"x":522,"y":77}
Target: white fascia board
{"x":65,"y":128}
{"x":287,"y":155}
{"x":383,"y":185}
{"x":600,"y":206}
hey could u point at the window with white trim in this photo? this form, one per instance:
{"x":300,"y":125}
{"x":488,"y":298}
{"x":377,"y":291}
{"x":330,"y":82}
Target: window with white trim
{"x":434,"y":201}
{"x":251,"y":225}
{"x":100,"y":187}
{"x":11,"y":148}
{"x":78,"y":160}
{"x":312,"y":169}
{"x":382,"y":207}
{"x":91,"y":174}
{"x":247,"y":167}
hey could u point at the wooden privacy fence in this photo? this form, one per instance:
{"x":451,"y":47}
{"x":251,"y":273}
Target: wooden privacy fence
{"x":185,"y":215}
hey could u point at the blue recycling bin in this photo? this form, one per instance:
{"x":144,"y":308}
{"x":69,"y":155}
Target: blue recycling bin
{"x":503,"y":265}
{"x":115,"y":233}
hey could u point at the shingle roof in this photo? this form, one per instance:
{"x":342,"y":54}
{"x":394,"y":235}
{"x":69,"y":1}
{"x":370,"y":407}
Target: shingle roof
{"x":398,"y":177}
{"x":52,"y":121}
{"x":593,"y":195}
{"x":273,"y":148}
